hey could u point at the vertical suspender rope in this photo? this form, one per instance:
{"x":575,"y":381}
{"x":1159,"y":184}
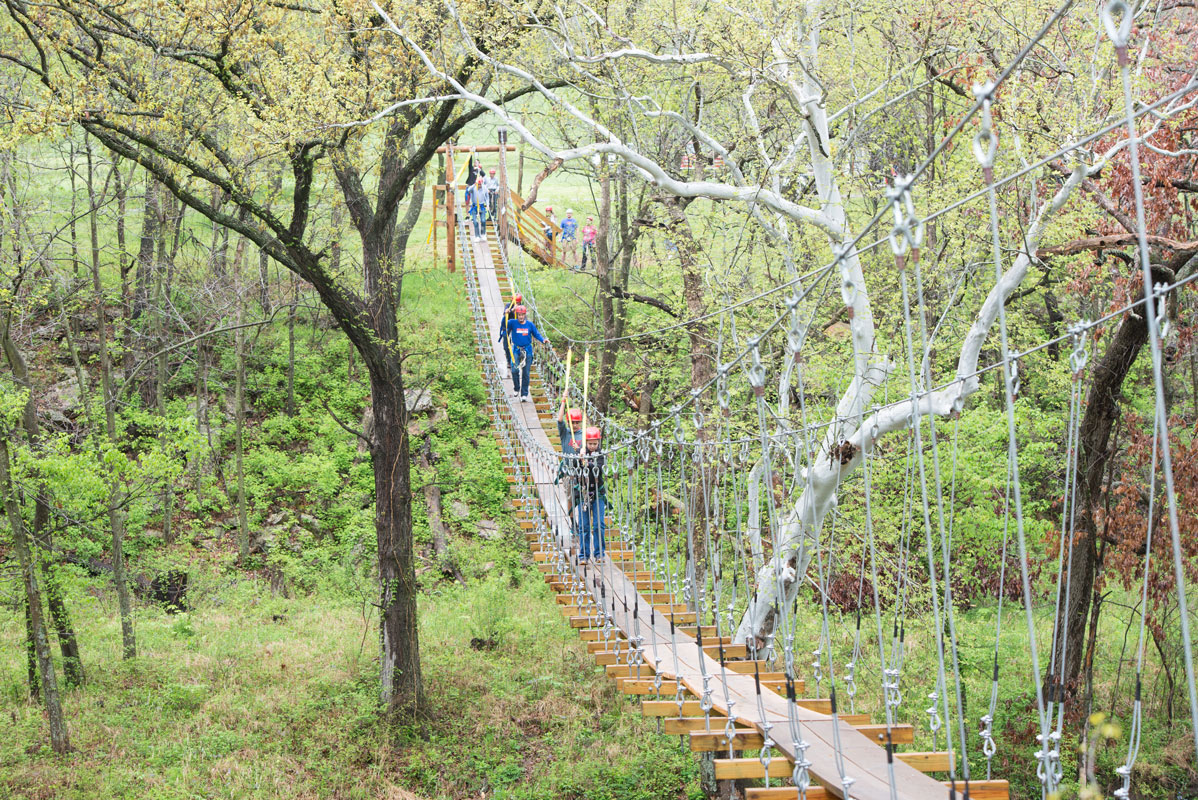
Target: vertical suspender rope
{"x":985,"y":146}
{"x":1119,"y":35}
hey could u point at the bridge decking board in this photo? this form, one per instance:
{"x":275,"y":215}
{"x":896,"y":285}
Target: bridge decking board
{"x":862,"y":759}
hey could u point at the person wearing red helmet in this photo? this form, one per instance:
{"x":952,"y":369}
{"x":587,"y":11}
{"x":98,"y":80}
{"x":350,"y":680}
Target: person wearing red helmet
{"x":571,"y":441}
{"x":592,"y":497}
{"x":509,"y":313}
{"x":521,"y":332}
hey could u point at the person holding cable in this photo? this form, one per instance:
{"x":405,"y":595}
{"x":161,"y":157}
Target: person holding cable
{"x":591,"y":497}
{"x":521,"y":332}
{"x":509,"y":313}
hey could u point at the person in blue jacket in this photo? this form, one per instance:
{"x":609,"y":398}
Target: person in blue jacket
{"x":476,"y":202}
{"x":520,"y":332}
{"x":509,"y":313}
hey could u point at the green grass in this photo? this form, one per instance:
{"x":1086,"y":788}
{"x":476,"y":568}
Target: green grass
{"x":230,"y":702}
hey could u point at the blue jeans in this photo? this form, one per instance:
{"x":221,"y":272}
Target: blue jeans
{"x":592,"y":542}
{"x":520,"y":371}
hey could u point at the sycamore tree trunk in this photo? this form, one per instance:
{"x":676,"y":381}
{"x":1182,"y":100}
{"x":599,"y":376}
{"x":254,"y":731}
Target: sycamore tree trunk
{"x":607,"y":303}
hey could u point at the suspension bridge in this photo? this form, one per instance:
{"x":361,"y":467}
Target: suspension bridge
{"x":657,"y":614}
{"x":722,"y":697}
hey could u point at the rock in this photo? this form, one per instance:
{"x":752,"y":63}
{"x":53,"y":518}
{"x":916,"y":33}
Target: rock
{"x":262,"y":541}
{"x":53,"y":418}
{"x":459,"y":509}
{"x":419,"y":401}
{"x":170,"y":589}
{"x":152,"y":533}
{"x":489,"y":530}
{"x":275,"y":518}
{"x":65,"y":393}
{"x":490,"y":565}
{"x":311,"y":523}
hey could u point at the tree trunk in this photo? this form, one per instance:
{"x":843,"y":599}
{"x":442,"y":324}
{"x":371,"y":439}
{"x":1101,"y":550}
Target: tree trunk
{"x":145,"y":251}
{"x":58,"y":728}
{"x":35,"y":689}
{"x":243,"y":526}
{"x":702,"y":361}
{"x":116,"y":513}
{"x":160,"y":293}
{"x":607,"y":309}
{"x":68,"y":642}
{"x":402,"y":687}
{"x":1102,"y":410}
{"x":291,"y":348}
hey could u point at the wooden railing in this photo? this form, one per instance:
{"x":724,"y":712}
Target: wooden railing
{"x":528,"y":225}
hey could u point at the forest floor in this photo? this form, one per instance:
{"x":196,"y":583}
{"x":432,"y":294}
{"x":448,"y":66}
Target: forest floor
{"x":267,"y":686}
{"x":254,"y":695}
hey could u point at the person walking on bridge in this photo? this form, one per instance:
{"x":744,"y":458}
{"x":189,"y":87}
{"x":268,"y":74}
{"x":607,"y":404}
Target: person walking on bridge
{"x":492,"y":186}
{"x":509,"y":313}
{"x":592,"y":498}
{"x":522,"y":331}
{"x":476,"y":201}
{"x":571,"y":442}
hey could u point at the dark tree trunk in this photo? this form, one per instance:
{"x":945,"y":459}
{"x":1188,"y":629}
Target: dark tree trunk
{"x":1102,"y":410}
{"x":35,"y":689}
{"x":145,"y":251}
{"x":49,"y":684}
{"x":701,"y":358}
{"x":402,"y":686}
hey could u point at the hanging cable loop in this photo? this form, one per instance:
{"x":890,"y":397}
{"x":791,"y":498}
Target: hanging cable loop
{"x":756,"y":372}
{"x":1118,"y":32}
{"x":985,"y":141}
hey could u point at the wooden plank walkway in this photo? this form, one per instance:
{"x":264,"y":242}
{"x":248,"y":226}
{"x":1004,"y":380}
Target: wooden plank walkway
{"x":835,"y":748}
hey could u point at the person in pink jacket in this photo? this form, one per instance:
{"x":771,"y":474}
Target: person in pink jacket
{"x":589,"y":232}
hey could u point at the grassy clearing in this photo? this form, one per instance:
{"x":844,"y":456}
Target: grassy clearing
{"x":253,"y":695}
{"x":258,"y":694}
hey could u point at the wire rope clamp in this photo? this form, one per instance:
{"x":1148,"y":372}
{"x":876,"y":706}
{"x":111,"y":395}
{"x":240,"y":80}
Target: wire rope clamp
{"x":757,"y":371}
{"x":985,"y":141}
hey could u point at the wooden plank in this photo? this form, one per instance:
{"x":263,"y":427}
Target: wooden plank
{"x":940,"y":761}
{"x":899,"y":734}
{"x":741,"y":768}
{"x":703,"y":741}
{"x":690,"y":708}
{"x":631,"y":685}
{"x":680,"y":726}
{"x":978,"y":790}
